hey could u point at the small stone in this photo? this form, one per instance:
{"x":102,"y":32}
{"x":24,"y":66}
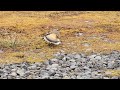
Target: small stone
{"x":66,"y":77}
{"x":48,"y":67}
{"x":86,"y":21}
{"x":54,"y":59}
{"x":45,"y":77}
{"x":46,"y":62}
{"x":52,"y":72}
{"x":20,"y":72}
{"x":77,"y":56}
{"x":106,"y":78}
{"x":86,"y":44}
{"x":79,"y":77}
{"x":92,"y":56}
{"x":86,"y":68}
{"x":13,"y":70}
{"x":73,"y":67}
{"x":114,"y":77}
{"x":54,"y":65}
{"x":32,"y":67}
{"x":73,"y":77}
{"x":111,"y":64}
{"x":13,"y":74}
{"x":118,"y":68}
{"x":72,"y":60}
{"x":54,"y":69}
{"x":57,"y":75}
{"x":80,"y":34}
{"x":98,"y":57}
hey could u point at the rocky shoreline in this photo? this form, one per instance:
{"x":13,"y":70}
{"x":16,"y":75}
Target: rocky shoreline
{"x":65,"y":66}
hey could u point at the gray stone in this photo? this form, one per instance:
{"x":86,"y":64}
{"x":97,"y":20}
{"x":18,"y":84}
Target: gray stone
{"x":54,"y":65}
{"x":77,"y":56}
{"x":48,"y":67}
{"x":98,"y":57}
{"x":32,"y":67}
{"x":86,"y":68}
{"x":13,"y":74}
{"x":114,"y":77}
{"x":86,"y":44}
{"x":20,"y":72}
{"x":73,"y":67}
{"x":66,"y":77}
{"x":52,"y":72}
{"x":72,"y":60}
{"x":92,"y":56}
{"x":45,"y":77}
{"x":111,"y":64}
{"x":73,"y":77}
{"x":46,"y":62}
{"x":54,"y":59}
{"x":106,"y":78}
{"x":73,"y":63}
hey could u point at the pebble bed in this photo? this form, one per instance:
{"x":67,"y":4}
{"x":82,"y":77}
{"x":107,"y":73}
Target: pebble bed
{"x":65,"y":66}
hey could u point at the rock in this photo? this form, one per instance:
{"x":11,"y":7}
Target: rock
{"x":73,"y":67}
{"x":92,"y":56}
{"x":20,"y":72}
{"x":73,"y":77}
{"x":54,"y":59}
{"x":78,"y":34}
{"x":114,"y":77}
{"x":52,"y":72}
{"x":77,"y":56}
{"x":32,"y":67}
{"x":66,"y":77}
{"x":79,"y":77}
{"x":48,"y":67}
{"x":46,"y":62}
{"x":13,"y":74}
{"x":73,"y":63}
{"x":45,"y":77}
{"x":111,"y":64}
{"x":13,"y":70}
{"x":86,"y":44}
{"x":106,"y":78}
{"x":98,"y":57}
{"x":86,"y":68}
{"x":54,"y":65}
{"x":72,"y":60}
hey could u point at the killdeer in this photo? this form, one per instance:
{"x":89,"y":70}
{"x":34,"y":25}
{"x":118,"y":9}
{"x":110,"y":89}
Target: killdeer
{"x":52,"y":39}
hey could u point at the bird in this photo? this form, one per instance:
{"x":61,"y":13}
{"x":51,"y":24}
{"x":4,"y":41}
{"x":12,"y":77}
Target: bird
{"x":52,"y":38}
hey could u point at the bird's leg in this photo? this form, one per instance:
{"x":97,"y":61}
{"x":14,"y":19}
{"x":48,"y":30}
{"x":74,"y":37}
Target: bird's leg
{"x":51,"y":45}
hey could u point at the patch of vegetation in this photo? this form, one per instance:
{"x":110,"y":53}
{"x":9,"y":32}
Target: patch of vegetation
{"x":21,"y":33}
{"x":112,"y":73}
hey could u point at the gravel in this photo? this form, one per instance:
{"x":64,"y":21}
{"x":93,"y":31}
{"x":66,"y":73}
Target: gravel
{"x":65,"y":66}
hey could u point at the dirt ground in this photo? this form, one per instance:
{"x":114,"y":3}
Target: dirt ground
{"x":21,"y":33}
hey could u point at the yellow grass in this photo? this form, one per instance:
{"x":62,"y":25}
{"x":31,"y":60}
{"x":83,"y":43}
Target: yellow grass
{"x":112,"y":73}
{"x":21,"y":33}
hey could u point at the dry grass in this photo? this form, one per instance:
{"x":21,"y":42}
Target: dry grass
{"x":112,"y":73}
{"x":21,"y":33}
